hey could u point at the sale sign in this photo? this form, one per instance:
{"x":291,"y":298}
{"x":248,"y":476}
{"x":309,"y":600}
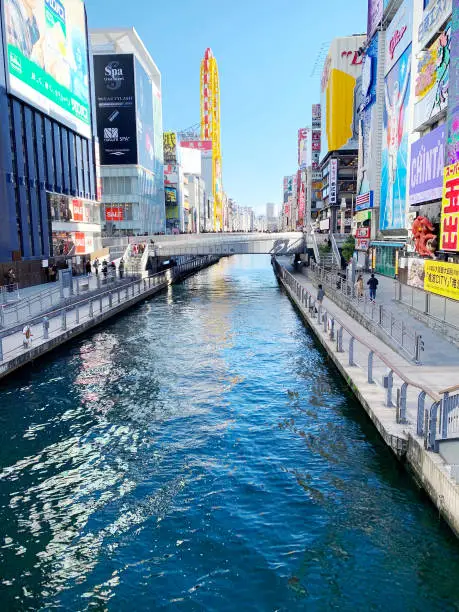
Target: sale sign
{"x":80,"y":243}
{"x":450,"y":209}
{"x":114,"y":213}
{"x":77,"y":210}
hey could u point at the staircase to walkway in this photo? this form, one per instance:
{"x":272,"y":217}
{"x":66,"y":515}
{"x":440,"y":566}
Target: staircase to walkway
{"x":327,"y":260}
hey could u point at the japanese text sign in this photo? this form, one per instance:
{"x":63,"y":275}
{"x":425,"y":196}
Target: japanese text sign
{"x":450,"y":209}
{"x":442,"y":278}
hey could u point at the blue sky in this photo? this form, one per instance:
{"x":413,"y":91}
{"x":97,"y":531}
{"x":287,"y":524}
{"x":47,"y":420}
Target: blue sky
{"x":265,"y":51}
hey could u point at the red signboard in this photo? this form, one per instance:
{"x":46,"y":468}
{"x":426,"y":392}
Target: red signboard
{"x":80,"y":243}
{"x":202,"y":145}
{"x":362,"y":232}
{"x":114,"y":213}
{"x":77,"y":210}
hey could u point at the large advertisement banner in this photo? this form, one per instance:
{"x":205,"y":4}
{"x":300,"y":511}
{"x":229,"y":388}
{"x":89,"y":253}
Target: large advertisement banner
{"x":442,"y":278}
{"x":368,"y":127}
{"x":47,"y":58}
{"x":432,"y":80}
{"x":395,"y":145}
{"x":436,"y":12}
{"x":399,"y":34}
{"x":145,"y":118}
{"x":170,"y":147}
{"x":339,"y":95}
{"x":115,"y":108}
{"x":304,"y":148}
{"x":450,"y":209}
{"x":375,"y":13}
{"x":426,"y":167}
{"x":452,"y":146}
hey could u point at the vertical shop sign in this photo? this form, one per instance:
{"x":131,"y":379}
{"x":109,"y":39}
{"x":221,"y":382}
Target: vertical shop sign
{"x":450,"y":209}
{"x":333,"y":181}
{"x":452,"y":148}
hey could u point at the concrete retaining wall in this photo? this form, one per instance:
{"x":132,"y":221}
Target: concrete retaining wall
{"x":428,"y":468}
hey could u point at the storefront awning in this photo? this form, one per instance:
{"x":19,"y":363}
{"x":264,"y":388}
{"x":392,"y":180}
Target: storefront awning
{"x":383,"y":243}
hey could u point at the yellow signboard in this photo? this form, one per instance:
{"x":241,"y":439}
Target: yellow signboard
{"x":442,"y":278}
{"x":450,"y":209}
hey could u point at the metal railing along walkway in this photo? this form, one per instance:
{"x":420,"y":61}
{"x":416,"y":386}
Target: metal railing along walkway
{"x":404,"y":336}
{"x":72,"y":315}
{"x":436,"y":421}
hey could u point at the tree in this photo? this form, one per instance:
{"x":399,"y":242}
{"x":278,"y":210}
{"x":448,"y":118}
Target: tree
{"x":348,"y":248}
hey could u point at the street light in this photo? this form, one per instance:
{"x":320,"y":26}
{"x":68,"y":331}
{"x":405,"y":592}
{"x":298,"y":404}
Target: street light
{"x":343,"y":214}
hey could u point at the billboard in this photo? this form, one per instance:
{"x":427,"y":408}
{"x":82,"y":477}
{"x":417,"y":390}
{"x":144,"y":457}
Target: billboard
{"x":374,"y":15}
{"x":452,"y":145}
{"x":426,"y":167}
{"x":47,"y":61}
{"x":170,"y":147}
{"x":450,"y":209}
{"x":145,"y":118}
{"x":368,"y":121}
{"x":304,"y":148}
{"x":190,"y":160}
{"x":339,"y":94}
{"x":442,"y":278}
{"x":435,"y":14}
{"x":432,"y":80}
{"x":114,"y":213}
{"x":395,"y":144}
{"x":399,"y":34}
{"x":115,"y":108}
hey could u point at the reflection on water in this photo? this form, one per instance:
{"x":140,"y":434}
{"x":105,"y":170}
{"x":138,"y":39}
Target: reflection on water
{"x":201,"y":453}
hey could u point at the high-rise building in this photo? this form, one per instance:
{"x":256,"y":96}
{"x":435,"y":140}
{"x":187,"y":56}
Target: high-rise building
{"x":272,"y":220}
{"x":48,"y":188}
{"x":128,"y":111}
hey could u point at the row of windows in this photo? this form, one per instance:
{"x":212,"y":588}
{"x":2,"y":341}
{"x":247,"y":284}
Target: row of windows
{"x":46,"y":157}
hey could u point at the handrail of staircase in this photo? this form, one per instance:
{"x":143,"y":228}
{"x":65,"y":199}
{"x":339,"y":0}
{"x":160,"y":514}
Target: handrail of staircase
{"x":315,"y":246}
{"x":335,"y":250}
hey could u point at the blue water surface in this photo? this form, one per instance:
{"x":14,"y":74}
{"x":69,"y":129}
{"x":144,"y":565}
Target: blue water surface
{"x":200,"y":452}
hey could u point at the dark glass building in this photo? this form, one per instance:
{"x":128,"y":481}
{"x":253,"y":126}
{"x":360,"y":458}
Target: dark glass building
{"x":48,"y":187}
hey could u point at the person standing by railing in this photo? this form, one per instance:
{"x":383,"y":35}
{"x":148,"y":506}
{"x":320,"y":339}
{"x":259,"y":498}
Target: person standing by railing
{"x":359,"y":287}
{"x":373,"y":284}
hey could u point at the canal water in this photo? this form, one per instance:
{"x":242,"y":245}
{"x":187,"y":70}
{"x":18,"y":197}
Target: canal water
{"x":201,"y":453}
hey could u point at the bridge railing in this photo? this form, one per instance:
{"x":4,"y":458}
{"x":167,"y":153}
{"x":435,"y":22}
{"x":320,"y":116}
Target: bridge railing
{"x":58,"y":321}
{"x":434,"y":416}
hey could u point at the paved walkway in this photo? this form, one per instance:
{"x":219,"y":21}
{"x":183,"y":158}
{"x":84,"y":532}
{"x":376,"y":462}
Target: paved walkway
{"x":440,"y":368}
{"x":437,"y":348}
{"x":436,"y":378}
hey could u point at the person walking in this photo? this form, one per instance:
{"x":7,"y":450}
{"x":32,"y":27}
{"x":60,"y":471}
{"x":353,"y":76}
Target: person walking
{"x":359,"y":287}
{"x":105,"y":268}
{"x":88,"y":267}
{"x":27,"y":336}
{"x":121,"y":268}
{"x":320,"y":295}
{"x":11,"y":279}
{"x":373,"y":284}
{"x":96,"y":265}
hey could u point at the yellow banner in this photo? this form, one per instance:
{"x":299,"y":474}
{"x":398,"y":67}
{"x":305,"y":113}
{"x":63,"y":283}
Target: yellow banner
{"x":442,"y":278}
{"x":450,"y":209}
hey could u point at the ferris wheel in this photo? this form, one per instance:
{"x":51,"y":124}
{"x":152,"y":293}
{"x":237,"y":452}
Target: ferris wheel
{"x":210,"y":129}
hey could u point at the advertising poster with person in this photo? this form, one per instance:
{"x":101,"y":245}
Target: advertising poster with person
{"x":47,"y":58}
{"x":395,"y":145}
{"x":145,"y":118}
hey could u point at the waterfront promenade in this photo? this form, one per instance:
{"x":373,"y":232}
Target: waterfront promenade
{"x":405,"y":401}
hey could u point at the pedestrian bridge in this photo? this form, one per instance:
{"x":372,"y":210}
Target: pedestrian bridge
{"x":287,"y":243}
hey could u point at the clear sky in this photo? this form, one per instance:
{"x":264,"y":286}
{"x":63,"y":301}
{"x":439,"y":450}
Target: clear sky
{"x":266,"y":50}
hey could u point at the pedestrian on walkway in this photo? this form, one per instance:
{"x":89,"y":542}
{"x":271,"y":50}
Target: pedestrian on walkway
{"x":27,"y":336}
{"x":121,"y":268}
{"x":96,"y":265}
{"x":373,"y":284}
{"x":113,"y":269}
{"x":88,"y":267}
{"x":105,"y":268}
{"x":11,"y":279}
{"x":359,"y":287}
{"x":320,"y":295}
